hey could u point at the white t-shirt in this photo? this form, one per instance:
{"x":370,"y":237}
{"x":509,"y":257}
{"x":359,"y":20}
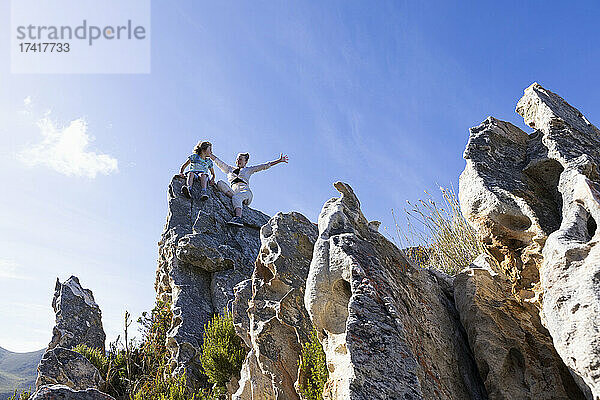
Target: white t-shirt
{"x":234,"y":173}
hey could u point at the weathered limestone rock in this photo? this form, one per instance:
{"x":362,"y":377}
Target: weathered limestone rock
{"x":514,"y":352}
{"x":242,"y":293}
{"x":78,"y":321}
{"x":388,"y":329}
{"x":69,"y":368}
{"x":201,"y":259}
{"x":508,"y":192}
{"x":61,"y":392}
{"x":278,"y":320}
{"x":570,"y":275}
{"x":78,"y":317}
{"x":254,"y":383}
{"x":535,"y":199}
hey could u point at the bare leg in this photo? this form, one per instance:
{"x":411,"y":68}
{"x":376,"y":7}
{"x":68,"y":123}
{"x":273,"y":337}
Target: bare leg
{"x":203,"y":180}
{"x":190,"y":179}
{"x":224,"y":188}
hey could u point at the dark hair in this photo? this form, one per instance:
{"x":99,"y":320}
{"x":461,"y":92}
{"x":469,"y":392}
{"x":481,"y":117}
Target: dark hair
{"x":245,"y":155}
{"x":201,"y":146}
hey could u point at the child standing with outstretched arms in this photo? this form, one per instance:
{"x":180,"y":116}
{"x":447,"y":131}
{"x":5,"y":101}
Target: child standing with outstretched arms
{"x":200,"y":164}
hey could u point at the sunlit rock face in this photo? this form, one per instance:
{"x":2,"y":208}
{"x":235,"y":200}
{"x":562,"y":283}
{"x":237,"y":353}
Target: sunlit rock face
{"x":201,"y":259}
{"x":271,"y":306}
{"x":67,"y":367}
{"x":78,"y":317}
{"x":535,"y":201}
{"x":389,"y":330}
{"x":78,"y":321}
{"x":514,"y":352}
{"x":62,"y":392}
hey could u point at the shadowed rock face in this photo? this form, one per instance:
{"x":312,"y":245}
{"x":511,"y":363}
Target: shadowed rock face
{"x":276,"y":319}
{"x":514,"y":352}
{"x":78,"y":317}
{"x":535,"y":200}
{"x":388,"y":329}
{"x":201,"y":259}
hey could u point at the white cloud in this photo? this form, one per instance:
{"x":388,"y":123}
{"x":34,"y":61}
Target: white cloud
{"x":65,"y":150}
{"x":10,"y":270}
{"x":27,"y":101}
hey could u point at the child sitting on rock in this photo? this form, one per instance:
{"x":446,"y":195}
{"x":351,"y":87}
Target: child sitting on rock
{"x":200,"y":164}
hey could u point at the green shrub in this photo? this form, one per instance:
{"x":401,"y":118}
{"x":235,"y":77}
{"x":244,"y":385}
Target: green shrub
{"x":21,"y":395}
{"x":112,"y":368}
{"x":438,"y":235}
{"x":222,"y":350}
{"x":154,"y":330}
{"x":141,"y":371}
{"x":163,"y":386}
{"x":95,"y":356}
{"x":313,"y":369}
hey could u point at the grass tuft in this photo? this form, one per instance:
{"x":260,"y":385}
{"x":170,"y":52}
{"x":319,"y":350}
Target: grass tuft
{"x":437,"y":235}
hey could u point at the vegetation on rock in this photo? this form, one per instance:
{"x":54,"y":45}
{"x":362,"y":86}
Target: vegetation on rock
{"x":222,"y":350}
{"x":313,"y":369}
{"x":140,"y":371}
{"x":18,"y":395}
{"x":438,"y":235}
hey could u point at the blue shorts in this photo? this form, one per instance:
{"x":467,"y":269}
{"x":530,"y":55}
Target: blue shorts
{"x":198,"y":173}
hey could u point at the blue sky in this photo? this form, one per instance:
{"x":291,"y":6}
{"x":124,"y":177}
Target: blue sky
{"x":378,"y":94}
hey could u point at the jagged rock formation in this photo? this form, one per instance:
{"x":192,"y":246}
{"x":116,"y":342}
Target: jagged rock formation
{"x":66,"y":367}
{"x":277,"y":321}
{"x":61,"y":392}
{"x":521,"y":322}
{"x":508,"y":192}
{"x":535,"y":199}
{"x":78,"y":321}
{"x":388,"y":329}
{"x":514,"y":352}
{"x":78,"y":317}
{"x":201,"y":259}
{"x":570,"y":276}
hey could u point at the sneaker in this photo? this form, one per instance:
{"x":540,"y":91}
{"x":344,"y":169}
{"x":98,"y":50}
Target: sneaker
{"x":236,"y":221}
{"x":186,"y":192}
{"x":204,"y":195}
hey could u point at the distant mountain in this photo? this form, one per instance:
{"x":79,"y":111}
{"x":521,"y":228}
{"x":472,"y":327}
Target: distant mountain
{"x":17,"y":371}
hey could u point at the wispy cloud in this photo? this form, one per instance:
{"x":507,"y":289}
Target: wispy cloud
{"x":27,"y":101}
{"x":10,"y":270}
{"x":66,"y":150}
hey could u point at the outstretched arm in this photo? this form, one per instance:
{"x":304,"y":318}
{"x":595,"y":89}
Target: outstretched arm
{"x":261,"y":167}
{"x":183,"y":166}
{"x":226,"y":168}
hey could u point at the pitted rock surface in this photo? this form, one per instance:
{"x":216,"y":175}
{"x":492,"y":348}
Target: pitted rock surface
{"x":201,"y":259}
{"x":535,"y":200}
{"x":277,"y":318}
{"x":388,"y":329}
{"x":571,"y":269}
{"x":508,"y":192}
{"x":513,"y":350}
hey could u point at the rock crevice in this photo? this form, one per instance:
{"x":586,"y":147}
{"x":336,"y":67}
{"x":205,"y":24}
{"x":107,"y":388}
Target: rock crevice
{"x":535,"y":201}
